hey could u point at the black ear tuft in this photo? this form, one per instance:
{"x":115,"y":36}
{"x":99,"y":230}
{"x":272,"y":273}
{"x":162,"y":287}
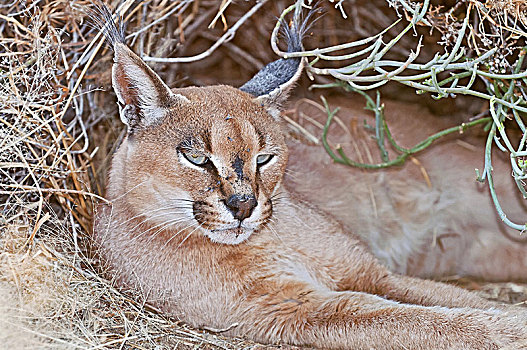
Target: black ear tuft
{"x":101,"y":18}
{"x":276,"y":74}
{"x":272,"y":83}
{"x":295,"y":32}
{"x":144,"y":99}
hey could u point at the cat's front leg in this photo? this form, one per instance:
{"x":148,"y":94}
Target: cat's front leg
{"x":296,"y":313}
{"x":418,"y":291}
{"x":358,"y":270}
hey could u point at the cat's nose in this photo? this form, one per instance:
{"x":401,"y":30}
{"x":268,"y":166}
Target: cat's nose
{"x":241,"y":206}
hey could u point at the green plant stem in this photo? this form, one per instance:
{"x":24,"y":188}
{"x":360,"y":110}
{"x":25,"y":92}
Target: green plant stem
{"x":343,"y":159}
{"x":488,"y":171}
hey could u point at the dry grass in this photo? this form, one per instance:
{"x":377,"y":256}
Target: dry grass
{"x":57,"y":132}
{"x":55,"y":137}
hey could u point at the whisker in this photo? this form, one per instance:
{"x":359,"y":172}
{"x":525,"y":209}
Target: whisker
{"x":163,"y":225}
{"x":177,"y":234}
{"x":294,"y":174}
{"x":183,"y":200}
{"x":141,"y":214}
{"x":130,"y":190}
{"x":278,"y":199}
{"x":191,"y":232}
{"x":281,"y":193}
{"x":272,"y":222}
{"x":282,"y":201}
{"x":150,"y":218}
{"x":166,"y":225}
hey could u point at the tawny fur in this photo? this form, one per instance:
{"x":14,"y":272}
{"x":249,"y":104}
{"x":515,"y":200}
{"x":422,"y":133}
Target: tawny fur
{"x":285,"y":271}
{"x":300,"y":279}
{"x":448,"y":227}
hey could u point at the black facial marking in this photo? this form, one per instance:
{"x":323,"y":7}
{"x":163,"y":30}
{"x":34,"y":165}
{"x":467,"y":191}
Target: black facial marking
{"x":237,"y":165}
{"x":199,"y":210}
{"x":206,"y":142}
{"x":261,"y":138}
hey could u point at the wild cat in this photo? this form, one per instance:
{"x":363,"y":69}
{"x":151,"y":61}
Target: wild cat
{"x":201,"y":221}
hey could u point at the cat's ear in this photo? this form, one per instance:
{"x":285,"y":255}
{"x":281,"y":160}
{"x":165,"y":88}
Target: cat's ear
{"x":272,"y":84}
{"x":144,"y":99}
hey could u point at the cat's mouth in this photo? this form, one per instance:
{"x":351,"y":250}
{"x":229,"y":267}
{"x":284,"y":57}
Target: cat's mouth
{"x":233,"y":235}
{"x":237,"y":231}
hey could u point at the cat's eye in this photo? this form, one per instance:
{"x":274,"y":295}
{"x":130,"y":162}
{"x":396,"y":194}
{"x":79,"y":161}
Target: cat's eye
{"x":195,"y":158}
{"x":263,"y":159}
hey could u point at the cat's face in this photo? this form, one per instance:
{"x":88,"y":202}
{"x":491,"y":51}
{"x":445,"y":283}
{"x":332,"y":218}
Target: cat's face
{"x":197,"y":160}
{"x":212,"y":165}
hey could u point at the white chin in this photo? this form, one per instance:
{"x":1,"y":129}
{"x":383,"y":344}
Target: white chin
{"x":229,"y":236}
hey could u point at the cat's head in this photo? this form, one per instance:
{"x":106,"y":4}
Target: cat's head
{"x":203,"y":160}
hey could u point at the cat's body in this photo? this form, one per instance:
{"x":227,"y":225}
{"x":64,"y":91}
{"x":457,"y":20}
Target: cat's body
{"x":428,"y":218}
{"x":201,"y":222}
